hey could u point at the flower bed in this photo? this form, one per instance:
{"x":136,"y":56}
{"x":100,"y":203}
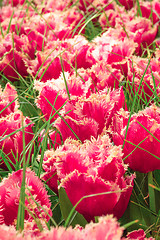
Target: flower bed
{"x":79,"y":119}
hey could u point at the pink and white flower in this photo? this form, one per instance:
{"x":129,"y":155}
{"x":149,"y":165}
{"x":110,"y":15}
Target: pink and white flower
{"x":14,"y":51}
{"x":98,"y":164}
{"x":137,"y":235}
{"x":142,"y":138}
{"x":10,"y":194}
{"x":89,"y":116}
{"x":12,"y":145}
{"x":8,"y":100}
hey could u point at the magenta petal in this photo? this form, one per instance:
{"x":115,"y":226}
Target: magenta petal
{"x":50,"y":174}
{"x":91,"y":206}
{"x":118,"y":210}
{"x":49,"y":101}
{"x":13,"y":146}
{"x":21,"y":51}
{"x":137,"y":235}
{"x":6,"y":97}
{"x":144,"y":132}
{"x":77,"y":129}
{"x":10,"y":193}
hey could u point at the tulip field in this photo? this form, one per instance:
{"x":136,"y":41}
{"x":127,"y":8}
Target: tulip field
{"x":79,"y":119}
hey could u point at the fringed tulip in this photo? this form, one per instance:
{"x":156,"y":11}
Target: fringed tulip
{"x":128,"y":4}
{"x":8,"y":100}
{"x":137,"y":235}
{"x":12,"y":128}
{"x":35,"y":193}
{"x":53,"y":94}
{"x":142,"y":138}
{"x":107,"y":228}
{"x":14,"y":51}
{"x":89,"y":116}
{"x":59,"y":56}
{"x":9,"y":233}
{"x":98,"y":164}
{"x":50,"y":175}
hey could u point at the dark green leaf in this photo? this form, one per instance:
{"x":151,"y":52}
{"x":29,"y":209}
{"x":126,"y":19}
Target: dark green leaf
{"x":66,"y":207}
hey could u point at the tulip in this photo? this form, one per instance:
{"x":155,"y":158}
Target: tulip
{"x":8,"y":100}
{"x":142,"y":138}
{"x":10,"y":188}
{"x":99,"y":166}
{"x":12,"y":142}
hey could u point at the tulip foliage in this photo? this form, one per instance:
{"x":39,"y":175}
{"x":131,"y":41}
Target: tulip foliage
{"x":79,"y":119}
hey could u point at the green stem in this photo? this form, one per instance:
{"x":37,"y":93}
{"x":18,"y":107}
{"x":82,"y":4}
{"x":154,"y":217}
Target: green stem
{"x":21,"y":208}
{"x":151,"y":191}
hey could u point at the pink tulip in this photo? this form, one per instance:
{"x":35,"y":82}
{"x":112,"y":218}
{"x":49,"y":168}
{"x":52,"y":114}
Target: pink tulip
{"x":10,"y":194}
{"x":12,"y":146}
{"x":137,"y":235}
{"x":9,"y":232}
{"x":99,"y":166}
{"x":50,"y":175}
{"x":150,"y":9}
{"x":68,"y":53}
{"x":128,"y":4}
{"x":14,"y":51}
{"x":107,"y":228}
{"x":142,"y":139}
{"x":89,"y":116}
{"x":8,"y":95}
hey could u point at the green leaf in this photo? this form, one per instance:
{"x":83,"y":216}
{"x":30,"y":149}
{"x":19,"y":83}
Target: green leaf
{"x":27,"y":107}
{"x":66,"y":207}
{"x":151,"y":192}
{"x":5,"y":160}
{"x":139,"y":12}
{"x":130,"y":224}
